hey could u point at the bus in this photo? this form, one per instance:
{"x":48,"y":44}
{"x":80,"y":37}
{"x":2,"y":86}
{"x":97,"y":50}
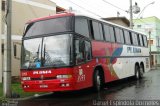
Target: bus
{"x":69,"y":51}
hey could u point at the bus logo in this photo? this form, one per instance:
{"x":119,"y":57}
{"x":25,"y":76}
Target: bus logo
{"x":42,"y":72}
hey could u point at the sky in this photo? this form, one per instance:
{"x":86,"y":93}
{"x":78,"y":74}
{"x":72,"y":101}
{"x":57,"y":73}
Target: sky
{"x":109,"y":8}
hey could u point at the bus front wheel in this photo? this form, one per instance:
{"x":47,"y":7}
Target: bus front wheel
{"x":97,"y":81}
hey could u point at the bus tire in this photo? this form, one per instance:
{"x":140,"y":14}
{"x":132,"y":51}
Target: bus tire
{"x":97,"y":81}
{"x":137,"y":72}
{"x":141,"y":71}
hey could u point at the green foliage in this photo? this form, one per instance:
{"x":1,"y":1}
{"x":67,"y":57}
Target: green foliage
{"x":16,"y":89}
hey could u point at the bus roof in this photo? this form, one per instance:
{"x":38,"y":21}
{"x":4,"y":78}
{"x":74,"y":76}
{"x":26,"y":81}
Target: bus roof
{"x":50,"y":17}
{"x":79,"y":14}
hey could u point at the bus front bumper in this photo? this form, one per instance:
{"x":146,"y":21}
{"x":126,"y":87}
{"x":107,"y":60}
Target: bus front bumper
{"x":48,"y":85}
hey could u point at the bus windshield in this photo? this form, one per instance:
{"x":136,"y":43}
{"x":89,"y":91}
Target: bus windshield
{"x":49,"y":26}
{"x":51,"y":51}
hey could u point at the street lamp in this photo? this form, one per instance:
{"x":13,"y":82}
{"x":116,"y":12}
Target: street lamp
{"x":145,"y":8}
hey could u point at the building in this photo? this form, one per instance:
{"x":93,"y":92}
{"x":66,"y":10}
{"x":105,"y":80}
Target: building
{"x":150,"y":25}
{"x":22,"y":11}
{"x":118,"y":20}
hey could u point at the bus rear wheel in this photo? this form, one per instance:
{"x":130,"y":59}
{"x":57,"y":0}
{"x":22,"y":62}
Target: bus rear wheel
{"x":138,"y":71}
{"x":141,"y":71}
{"x":97,"y":81}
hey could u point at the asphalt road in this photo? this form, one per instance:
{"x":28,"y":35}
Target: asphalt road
{"x":128,"y":89}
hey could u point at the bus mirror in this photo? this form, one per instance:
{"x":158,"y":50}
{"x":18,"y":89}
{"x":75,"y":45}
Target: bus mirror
{"x":15,"y":50}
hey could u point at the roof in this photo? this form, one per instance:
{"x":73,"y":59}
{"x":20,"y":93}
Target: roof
{"x":59,"y":9}
{"x":124,"y":19}
{"x":50,"y":17}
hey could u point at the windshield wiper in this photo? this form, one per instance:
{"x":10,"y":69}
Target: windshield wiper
{"x":44,"y":55}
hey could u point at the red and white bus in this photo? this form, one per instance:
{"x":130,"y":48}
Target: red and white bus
{"x":67,"y":52}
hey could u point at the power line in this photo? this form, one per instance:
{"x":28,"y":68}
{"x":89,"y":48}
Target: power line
{"x":114,"y":6}
{"x":84,"y":8}
{"x":91,"y":5}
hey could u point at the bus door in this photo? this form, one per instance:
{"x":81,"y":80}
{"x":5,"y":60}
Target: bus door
{"x":84,"y":66}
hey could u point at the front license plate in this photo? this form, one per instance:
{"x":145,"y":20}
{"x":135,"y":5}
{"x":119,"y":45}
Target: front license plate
{"x":43,"y":86}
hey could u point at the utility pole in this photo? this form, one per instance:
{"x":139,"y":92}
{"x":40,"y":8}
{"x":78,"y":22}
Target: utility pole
{"x":133,"y":9}
{"x":7,"y":53}
{"x":0,"y":42}
{"x":131,"y":14}
{"x":149,"y":32}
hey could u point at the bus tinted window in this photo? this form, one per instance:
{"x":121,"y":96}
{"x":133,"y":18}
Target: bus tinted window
{"x":145,"y":40}
{"x":107,"y":33}
{"x":48,"y":26}
{"x":141,"y":40}
{"x":119,"y":35}
{"x":138,"y":39}
{"x":111,"y":30}
{"x":88,"y":51}
{"x":81,"y":26}
{"x":134,"y":39}
{"x":97,"y":30}
{"x":127,"y":37}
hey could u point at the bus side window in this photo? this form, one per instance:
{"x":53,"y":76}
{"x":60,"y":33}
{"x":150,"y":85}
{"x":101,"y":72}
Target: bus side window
{"x":145,"y":41}
{"x":111,"y":30}
{"x":134,"y":38}
{"x":79,"y":51}
{"x":97,"y":30}
{"x":127,"y":37}
{"x":88,"y":52}
{"x":106,"y":32}
{"x":140,"y":38}
{"x":81,"y":26}
{"x":131,"y":39}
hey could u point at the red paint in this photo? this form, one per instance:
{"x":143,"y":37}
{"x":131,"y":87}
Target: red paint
{"x":51,"y":17}
{"x":47,"y":81}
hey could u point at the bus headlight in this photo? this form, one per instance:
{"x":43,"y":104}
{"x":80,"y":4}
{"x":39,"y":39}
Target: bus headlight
{"x":63,"y":76}
{"x":26,"y":78}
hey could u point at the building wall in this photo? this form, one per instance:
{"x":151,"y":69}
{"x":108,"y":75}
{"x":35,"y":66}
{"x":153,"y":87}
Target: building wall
{"x":119,"y":22}
{"x":23,"y":11}
{"x":152,"y":24}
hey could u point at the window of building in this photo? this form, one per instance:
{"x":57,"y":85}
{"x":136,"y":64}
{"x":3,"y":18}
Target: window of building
{"x":3,"y":6}
{"x":81,"y":26}
{"x":150,"y":42}
{"x":139,"y":26}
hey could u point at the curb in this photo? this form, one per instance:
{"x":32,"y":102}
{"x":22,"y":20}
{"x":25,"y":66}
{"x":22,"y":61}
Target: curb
{"x":30,"y":97}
